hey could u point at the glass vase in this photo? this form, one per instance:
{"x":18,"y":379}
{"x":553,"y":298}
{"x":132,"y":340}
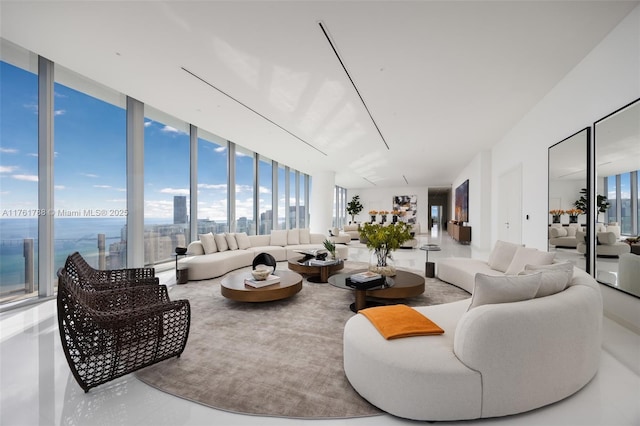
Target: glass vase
{"x":381,"y":262}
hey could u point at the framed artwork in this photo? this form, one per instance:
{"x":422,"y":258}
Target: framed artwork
{"x":408,"y":207}
{"x":462,"y":202}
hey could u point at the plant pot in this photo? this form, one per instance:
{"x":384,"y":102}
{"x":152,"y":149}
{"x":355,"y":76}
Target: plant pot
{"x":556,"y":219}
{"x":573,"y":219}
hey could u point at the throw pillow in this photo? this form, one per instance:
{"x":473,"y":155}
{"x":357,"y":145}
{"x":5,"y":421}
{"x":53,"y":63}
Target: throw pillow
{"x":221,"y":242}
{"x":558,"y":232}
{"x":528,"y":256}
{"x":489,"y":289}
{"x":571,"y":230}
{"x":279,"y":237}
{"x":501,"y":255}
{"x":231,"y":241}
{"x":243,"y":240}
{"x":304,"y":236}
{"x":208,"y":243}
{"x":554,"y":278}
{"x":293,"y":237}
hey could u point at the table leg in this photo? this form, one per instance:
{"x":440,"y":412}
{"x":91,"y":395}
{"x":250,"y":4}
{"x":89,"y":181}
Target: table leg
{"x":361,"y":299}
{"x":429,"y":269}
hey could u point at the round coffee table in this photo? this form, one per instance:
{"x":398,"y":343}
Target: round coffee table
{"x":233,"y":287}
{"x":317,"y":273}
{"x":403,"y":285}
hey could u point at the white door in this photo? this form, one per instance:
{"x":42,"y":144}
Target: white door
{"x":510,"y":206}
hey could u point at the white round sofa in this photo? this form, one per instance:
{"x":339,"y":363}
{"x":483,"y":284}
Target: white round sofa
{"x":215,"y":255}
{"x":494,"y":359}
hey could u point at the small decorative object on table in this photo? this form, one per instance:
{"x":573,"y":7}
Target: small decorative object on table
{"x":331,"y":248}
{"x":262,"y":282}
{"x":261,"y":272}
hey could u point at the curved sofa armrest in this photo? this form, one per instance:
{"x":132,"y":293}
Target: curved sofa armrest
{"x":545,"y":348}
{"x":195,"y":248}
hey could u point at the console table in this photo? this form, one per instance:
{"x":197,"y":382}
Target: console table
{"x":460,"y":233}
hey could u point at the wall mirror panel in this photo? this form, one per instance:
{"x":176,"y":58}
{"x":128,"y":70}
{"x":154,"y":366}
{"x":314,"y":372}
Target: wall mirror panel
{"x":617,"y":169}
{"x":568,"y":184}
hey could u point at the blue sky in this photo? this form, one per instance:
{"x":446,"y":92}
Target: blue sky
{"x":90,"y":157}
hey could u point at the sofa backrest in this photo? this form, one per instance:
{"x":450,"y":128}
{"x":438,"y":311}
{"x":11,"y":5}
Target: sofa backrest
{"x":542,"y":348}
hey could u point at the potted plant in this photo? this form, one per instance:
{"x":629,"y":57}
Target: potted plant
{"x":556,"y":215}
{"x":382,"y":241}
{"x":331,"y":248}
{"x":573,"y":215}
{"x":602,"y":204}
{"x":373,"y":214}
{"x":354,"y":207}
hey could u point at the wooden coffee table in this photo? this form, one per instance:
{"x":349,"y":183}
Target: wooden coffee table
{"x":233,"y":287}
{"x":317,"y":273}
{"x":403,"y":285}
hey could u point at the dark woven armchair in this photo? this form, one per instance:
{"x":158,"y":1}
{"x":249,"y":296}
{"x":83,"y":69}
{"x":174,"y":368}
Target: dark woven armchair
{"x":107,"y":333}
{"x":79,"y":270}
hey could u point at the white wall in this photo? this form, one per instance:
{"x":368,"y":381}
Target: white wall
{"x":566,"y":192}
{"x":382,"y":199}
{"x":607,"y":79}
{"x":479,"y":174}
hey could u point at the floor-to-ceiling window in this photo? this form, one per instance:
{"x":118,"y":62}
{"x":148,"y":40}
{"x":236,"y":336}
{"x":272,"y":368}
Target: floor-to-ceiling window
{"x":244,"y":191}
{"x":282,"y":197}
{"x":265,"y":199}
{"x":89,"y":172}
{"x":166,"y":185}
{"x":302,"y":204}
{"x":623,"y":194}
{"x":293,"y":199}
{"x":18,"y":173}
{"x":212,"y":183}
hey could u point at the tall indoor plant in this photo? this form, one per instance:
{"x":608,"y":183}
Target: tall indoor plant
{"x":382,"y":241}
{"x":354,"y":207}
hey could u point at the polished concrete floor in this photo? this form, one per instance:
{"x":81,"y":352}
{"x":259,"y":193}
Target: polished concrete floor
{"x":37,"y":387}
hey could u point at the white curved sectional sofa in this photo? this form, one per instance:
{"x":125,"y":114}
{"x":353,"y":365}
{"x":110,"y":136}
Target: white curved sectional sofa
{"x":214,"y":255}
{"x":494,"y":359}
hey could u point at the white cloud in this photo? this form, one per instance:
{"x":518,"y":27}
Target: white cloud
{"x":29,"y":178}
{"x":169,"y":129}
{"x":212,"y":186}
{"x":148,"y":123}
{"x":59,"y":112}
{"x":8,"y":169}
{"x":158,"y":209}
{"x":31,"y":107}
{"x":118,"y":200}
{"x":102,"y":186}
{"x":220,"y":149}
{"x":33,"y":154}
{"x":8,"y":150}
{"x":90,"y":175}
{"x":60,"y":187}
{"x":264,"y":190}
{"x":244,"y":188}
{"x":121,"y":189}
{"x":175,"y":191}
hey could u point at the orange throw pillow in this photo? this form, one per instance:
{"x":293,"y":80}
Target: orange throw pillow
{"x":397,"y":321}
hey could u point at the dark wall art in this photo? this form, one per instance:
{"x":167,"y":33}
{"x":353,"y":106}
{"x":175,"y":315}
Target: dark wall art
{"x":462,"y":202}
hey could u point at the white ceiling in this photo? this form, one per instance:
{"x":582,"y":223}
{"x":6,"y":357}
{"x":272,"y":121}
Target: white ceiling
{"x":443,"y":80}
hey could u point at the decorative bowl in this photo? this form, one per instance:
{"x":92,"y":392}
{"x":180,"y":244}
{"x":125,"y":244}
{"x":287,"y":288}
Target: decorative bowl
{"x":261,"y":272}
{"x":181,"y":250}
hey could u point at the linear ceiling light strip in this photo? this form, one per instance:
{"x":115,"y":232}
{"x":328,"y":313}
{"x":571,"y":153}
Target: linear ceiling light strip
{"x":405,"y":179}
{"x":372,"y":183}
{"x":335,"y":51}
{"x":251,"y":109}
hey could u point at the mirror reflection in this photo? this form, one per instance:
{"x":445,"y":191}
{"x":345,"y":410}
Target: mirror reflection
{"x":617,"y":158}
{"x":567,"y":198}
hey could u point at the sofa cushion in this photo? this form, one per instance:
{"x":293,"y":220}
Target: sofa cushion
{"x":491,"y":289}
{"x":556,"y":232}
{"x":279,"y":237}
{"x":304,"y":237}
{"x":571,"y":230}
{"x":231,"y":241}
{"x":554,"y":278}
{"x":243,"y":240}
{"x":501,"y":255}
{"x":293,"y":236}
{"x":221,"y":242}
{"x":607,"y":237}
{"x":208,"y":243}
{"x":528,"y":256}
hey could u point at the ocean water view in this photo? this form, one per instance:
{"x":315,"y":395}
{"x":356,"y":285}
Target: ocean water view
{"x":70,"y":235}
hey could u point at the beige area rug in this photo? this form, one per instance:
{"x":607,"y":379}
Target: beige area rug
{"x":280,"y":358}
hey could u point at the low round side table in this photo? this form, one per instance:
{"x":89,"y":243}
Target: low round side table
{"x":429,"y":267}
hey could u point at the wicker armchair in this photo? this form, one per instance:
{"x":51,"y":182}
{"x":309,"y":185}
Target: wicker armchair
{"x":107,"y":333}
{"x":83,"y":274}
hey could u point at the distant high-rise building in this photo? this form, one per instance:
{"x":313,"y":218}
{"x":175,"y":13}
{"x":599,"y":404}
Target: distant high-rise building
{"x":179,"y":209}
